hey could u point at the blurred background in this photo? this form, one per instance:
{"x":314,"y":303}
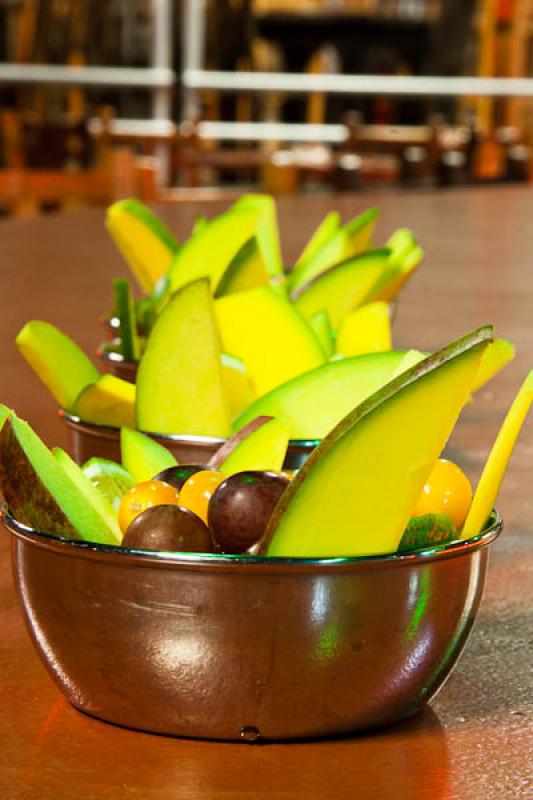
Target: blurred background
{"x":168,"y":100}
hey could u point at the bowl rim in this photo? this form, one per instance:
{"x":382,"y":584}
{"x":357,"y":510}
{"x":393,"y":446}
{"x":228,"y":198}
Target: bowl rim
{"x":109,"y":431}
{"x":118,"y":554}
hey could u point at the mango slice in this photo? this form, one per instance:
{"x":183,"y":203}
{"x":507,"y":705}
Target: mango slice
{"x":41,"y":493}
{"x":263,"y":207}
{"x":110,"y":401}
{"x":143,"y":457}
{"x":495,"y":357}
{"x":267,"y":333}
{"x":146,"y":244}
{"x":127,"y":323}
{"x":357,"y":491}
{"x":324,"y":332}
{"x":325,"y":230}
{"x":246,"y":270}
{"x":260,"y":445}
{"x":365,"y":330}
{"x":342,"y":287}
{"x":313,"y":403}
{"x":498,"y":460}
{"x":57,"y":360}
{"x":238,"y":387}
{"x":179,"y":383}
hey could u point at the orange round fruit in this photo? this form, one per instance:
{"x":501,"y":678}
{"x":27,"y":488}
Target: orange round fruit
{"x":446,"y":491}
{"x":197,"y":491}
{"x":143,"y":496}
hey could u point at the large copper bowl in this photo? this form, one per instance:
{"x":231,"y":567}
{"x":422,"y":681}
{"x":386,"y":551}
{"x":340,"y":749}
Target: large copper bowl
{"x":229,"y":647}
{"x":87,"y":440}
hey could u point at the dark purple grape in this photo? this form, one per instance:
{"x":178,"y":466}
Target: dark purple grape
{"x":241,"y":506}
{"x":168,"y":527}
{"x":177,"y":476}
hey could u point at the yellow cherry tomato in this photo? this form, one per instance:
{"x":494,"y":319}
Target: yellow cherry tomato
{"x":143,"y":496}
{"x":197,"y":490}
{"x":447,"y":491}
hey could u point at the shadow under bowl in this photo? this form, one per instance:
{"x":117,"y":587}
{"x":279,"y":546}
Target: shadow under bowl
{"x":242,"y":648}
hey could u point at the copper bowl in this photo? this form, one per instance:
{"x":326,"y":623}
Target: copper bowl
{"x":242,"y":648}
{"x":87,"y":440}
{"x":115,"y":363}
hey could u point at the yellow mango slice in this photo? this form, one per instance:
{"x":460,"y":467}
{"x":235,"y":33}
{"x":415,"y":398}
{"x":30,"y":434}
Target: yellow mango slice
{"x":57,"y":360}
{"x":146,"y":244}
{"x":110,"y":401}
{"x":365,"y":330}
{"x":495,"y":357}
{"x":237,"y":384}
{"x":357,"y":491}
{"x":265,"y":331}
{"x":498,"y":460}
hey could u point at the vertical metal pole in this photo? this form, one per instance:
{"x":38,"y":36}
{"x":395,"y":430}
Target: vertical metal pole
{"x":162,"y":59}
{"x":193,"y":51}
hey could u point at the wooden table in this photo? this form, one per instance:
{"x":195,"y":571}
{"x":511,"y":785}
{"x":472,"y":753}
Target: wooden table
{"x":476,"y":740}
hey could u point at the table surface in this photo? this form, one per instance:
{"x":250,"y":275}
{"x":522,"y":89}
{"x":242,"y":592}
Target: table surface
{"x":475,"y":742}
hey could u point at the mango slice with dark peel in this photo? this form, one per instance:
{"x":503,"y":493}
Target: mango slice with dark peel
{"x":313,"y":403}
{"x":357,"y":491}
{"x":263,"y":207}
{"x":260,"y":445}
{"x":40,"y":493}
{"x":429,"y":530}
{"x":57,"y":360}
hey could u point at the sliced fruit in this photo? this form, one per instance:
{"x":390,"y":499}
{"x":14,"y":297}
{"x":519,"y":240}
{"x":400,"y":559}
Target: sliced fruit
{"x":246,"y":270}
{"x":92,"y":495}
{"x":313,"y":403}
{"x":347,"y":242}
{"x":429,"y":530}
{"x":259,"y":445}
{"x":142,"y":457}
{"x":324,"y":332}
{"x":496,"y":465}
{"x":341,"y":288}
{"x":329,"y":225}
{"x":360,"y":230}
{"x":409,"y":360}
{"x":400,"y":244}
{"x":365,"y":330}
{"x":356,"y":492}
{"x":57,"y":360}
{"x":110,"y":478}
{"x":495,"y":357}
{"x":179,"y":382}
{"x":446,"y":491}
{"x":237,"y":384}
{"x":266,"y":332}
{"x":110,"y":401}
{"x":208,"y":253}
{"x":199,"y":224}
{"x":40,"y":493}
{"x":127,"y":323}
{"x":145,"y":242}
{"x":395,"y":278}
{"x":4,"y":414}
{"x":266,"y":228}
